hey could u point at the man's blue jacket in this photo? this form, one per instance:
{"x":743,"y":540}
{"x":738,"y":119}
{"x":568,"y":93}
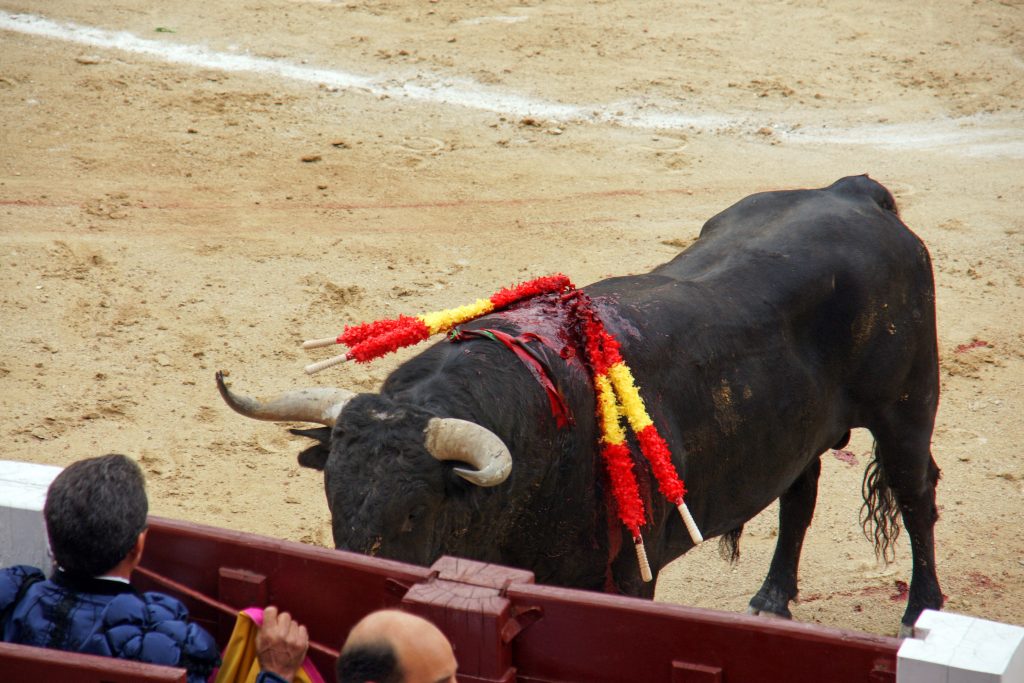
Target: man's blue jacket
{"x":102,"y":617}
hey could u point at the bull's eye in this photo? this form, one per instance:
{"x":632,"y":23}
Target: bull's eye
{"x":414,"y":516}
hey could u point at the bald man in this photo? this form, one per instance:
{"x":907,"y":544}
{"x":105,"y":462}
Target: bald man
{"x":391,"y":646}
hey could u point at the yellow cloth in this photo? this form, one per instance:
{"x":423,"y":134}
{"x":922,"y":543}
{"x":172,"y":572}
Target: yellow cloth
{"x":240,"y":664}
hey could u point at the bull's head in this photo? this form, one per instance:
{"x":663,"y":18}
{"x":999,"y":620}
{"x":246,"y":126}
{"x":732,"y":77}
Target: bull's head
{"x":387,"y":469}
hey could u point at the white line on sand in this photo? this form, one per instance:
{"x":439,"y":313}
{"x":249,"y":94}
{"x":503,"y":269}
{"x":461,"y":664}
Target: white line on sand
{"x":981,"y":135}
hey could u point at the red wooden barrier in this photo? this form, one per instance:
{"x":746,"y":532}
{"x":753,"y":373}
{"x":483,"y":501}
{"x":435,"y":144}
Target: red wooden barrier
{"x":614,"y":639}
{"x":504,"y":628}
{"x":24,"y":663}
{"x":221,"y":572}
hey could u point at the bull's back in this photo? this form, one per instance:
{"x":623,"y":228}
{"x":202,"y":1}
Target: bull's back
{"x":794,"y":235}
{"x":782,"y":259}
{"x":792,"y":317}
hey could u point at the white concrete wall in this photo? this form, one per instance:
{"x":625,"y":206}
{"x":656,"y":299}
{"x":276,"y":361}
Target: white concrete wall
{"x":22,"y":530}
{"x":954,"y":648}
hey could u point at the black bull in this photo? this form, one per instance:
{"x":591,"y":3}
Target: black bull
{"x":795,"y":317}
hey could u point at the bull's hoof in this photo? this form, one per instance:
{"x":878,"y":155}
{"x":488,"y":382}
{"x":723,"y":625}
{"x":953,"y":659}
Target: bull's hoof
{"x":906,"y":631}
{"x":766,"y":614}
{"x":771,"y":601}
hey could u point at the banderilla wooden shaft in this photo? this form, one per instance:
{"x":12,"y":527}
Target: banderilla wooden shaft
{"x":317,"y":367}
{"x":641,"y":557}
{"x":317,"y":343}
{"x":691,"y":525}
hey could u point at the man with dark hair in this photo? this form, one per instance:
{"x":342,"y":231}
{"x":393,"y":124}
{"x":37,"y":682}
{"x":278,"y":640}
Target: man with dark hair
{"x":95,"y":512}
{"x":391,"y":646}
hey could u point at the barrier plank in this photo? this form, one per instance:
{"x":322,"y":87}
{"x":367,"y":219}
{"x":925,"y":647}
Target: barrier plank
{"x":25,"y":663}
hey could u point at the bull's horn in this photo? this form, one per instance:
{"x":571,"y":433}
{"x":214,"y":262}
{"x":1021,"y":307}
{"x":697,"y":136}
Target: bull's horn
{"x":448,"y":438}
{"x":319,"y":404}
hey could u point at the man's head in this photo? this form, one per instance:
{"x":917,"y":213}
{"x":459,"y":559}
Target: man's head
{"x":391,"y":646}
{"x":95,"y":510}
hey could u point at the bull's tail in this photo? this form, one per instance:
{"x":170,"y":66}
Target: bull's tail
{"x":729,"y":545}
{"x":880,"y":514}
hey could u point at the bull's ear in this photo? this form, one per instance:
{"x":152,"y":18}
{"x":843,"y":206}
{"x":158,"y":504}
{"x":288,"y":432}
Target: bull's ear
{"x":315,"y":457}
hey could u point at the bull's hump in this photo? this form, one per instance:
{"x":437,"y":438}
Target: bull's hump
{"x":863,"y":187}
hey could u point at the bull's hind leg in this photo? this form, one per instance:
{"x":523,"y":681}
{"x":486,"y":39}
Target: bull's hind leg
{"x":902,"y":449}
{"x":796,"y":508}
